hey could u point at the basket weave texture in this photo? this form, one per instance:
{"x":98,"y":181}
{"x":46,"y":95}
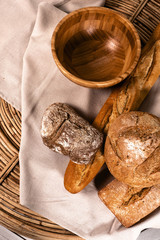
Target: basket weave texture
{"x":144,"y":14}
{"x":14,"y":216}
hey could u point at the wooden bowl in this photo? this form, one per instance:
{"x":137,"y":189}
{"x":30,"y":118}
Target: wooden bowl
{"x":95,"y":47}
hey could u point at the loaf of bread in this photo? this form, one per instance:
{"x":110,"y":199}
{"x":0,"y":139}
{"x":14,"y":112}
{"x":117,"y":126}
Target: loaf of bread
{"x":130,"y":204}
{"x":132,"y":154}
{"x":132,"y":149}
{"x":124,"y":98}
{"x":64,"y":131}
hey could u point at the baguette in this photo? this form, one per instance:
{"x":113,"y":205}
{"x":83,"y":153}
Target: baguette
{"x":130,"y":204}
{"x":124,"y":98}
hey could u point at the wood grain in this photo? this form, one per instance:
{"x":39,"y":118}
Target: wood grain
{"x":95,"y":47}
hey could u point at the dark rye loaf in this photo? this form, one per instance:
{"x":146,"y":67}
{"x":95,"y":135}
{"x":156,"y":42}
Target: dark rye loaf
{"x":64,"y":131}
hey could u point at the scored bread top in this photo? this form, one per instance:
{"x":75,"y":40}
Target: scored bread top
{"x":132,"y":149}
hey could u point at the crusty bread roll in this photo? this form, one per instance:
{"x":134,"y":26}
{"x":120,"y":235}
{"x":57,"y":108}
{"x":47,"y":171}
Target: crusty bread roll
{"x":132,"y":153}
{"x":129,"y":204}
{"x":132,"y":149}
{"x":123,"y":99}
{"x":65,"y":132}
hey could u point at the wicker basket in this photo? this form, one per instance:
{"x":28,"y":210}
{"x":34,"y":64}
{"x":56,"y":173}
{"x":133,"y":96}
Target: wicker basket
{"x":144,"y":14}
{"x":14,"y":216}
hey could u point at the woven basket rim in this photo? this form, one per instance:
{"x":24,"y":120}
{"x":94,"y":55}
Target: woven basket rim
{"x":145,"y":17}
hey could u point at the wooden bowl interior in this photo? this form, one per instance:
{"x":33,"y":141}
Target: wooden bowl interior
{"x":96,"y":46}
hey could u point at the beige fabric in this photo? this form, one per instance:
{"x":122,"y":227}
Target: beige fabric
{"x":16,"y":25}
{"x":17,"y":19}
{"x":41,"y":170}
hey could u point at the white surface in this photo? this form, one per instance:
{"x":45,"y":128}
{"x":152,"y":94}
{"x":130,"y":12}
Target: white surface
{"x":148,"y":234}
{"x":5,"y":234}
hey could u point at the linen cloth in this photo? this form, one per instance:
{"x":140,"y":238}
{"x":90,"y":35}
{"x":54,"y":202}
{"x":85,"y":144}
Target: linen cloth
{"x":31,"y":82}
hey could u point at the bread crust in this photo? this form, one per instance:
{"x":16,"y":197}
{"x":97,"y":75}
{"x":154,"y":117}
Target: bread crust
{"x":124,"y":98}
{"x":132,"y":149}
{"x":129,"y":204}
{"x":65,"y":132}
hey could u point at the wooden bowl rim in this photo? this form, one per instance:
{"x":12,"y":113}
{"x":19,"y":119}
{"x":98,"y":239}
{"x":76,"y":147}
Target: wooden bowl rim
{"x":88,"y":83}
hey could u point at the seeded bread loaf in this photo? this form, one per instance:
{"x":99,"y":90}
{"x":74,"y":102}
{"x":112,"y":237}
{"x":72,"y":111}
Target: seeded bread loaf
{"x":124,"y":98}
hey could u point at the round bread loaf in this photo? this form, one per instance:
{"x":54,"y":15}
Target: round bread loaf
{"x":64,"y":131}
{"x":132,"y":149}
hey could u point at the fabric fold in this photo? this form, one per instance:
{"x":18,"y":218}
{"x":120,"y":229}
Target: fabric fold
{"x":35,"y":82}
